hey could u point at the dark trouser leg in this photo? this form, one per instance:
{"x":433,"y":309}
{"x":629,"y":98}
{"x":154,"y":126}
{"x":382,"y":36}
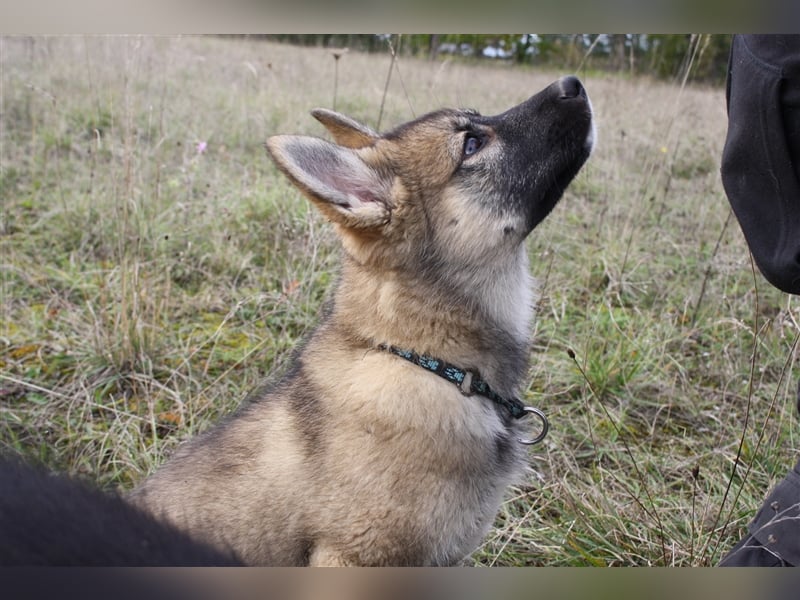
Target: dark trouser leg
{"x":774,"y":539}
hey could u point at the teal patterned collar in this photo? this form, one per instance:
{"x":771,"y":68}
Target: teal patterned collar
{"x":470,"y":383}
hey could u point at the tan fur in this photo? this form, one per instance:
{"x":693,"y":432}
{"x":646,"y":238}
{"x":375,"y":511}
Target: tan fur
{"x":358,"y":457}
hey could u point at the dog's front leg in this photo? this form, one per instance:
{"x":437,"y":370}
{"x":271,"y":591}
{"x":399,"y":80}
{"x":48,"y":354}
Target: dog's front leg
{"x":323,"y":556}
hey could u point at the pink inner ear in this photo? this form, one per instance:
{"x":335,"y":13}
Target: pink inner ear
{"x":334,"y":173}
{"x":350,"y":187}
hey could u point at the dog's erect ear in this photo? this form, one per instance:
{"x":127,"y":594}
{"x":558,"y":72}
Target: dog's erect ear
{"x":347,"y":189}
{"x":346,"y":131}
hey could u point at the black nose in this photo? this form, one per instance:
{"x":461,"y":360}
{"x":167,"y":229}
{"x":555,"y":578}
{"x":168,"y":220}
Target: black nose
{"x":571,"y":87}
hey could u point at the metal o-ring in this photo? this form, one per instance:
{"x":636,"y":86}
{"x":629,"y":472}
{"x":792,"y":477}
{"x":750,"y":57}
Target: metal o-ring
{"x":542,"y":433}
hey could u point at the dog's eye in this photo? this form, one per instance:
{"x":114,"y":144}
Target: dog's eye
{"x":472,"y":143}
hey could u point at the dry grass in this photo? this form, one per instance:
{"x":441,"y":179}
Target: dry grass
{"x":148,"y":283}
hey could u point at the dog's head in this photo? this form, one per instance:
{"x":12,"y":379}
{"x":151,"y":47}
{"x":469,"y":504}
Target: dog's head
{"x":452,"y":186}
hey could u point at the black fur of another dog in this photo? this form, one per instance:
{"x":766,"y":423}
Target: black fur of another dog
{"x":49,"y":519}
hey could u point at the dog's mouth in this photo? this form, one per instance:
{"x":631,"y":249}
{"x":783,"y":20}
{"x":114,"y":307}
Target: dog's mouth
{"x":573,"y":90}
{"x":569,"y":141}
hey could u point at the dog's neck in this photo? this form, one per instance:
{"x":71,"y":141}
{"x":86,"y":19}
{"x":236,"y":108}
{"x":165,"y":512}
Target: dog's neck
{"x":506,"y":295}
{"x":491,"y":317}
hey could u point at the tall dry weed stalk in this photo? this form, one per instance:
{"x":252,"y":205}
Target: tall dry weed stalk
{"x":132,"y":306}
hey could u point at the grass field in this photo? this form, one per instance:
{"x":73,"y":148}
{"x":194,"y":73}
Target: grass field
{"x":154,"y":267}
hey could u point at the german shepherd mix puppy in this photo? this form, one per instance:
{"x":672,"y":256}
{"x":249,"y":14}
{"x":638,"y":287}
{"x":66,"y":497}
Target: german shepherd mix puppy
{"x":394,"y":435}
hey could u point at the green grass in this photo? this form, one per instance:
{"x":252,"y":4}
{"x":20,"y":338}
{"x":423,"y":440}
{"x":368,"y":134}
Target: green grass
{"x":148,"y":286}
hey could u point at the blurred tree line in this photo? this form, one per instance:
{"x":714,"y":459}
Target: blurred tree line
{"x":698,"y":57}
